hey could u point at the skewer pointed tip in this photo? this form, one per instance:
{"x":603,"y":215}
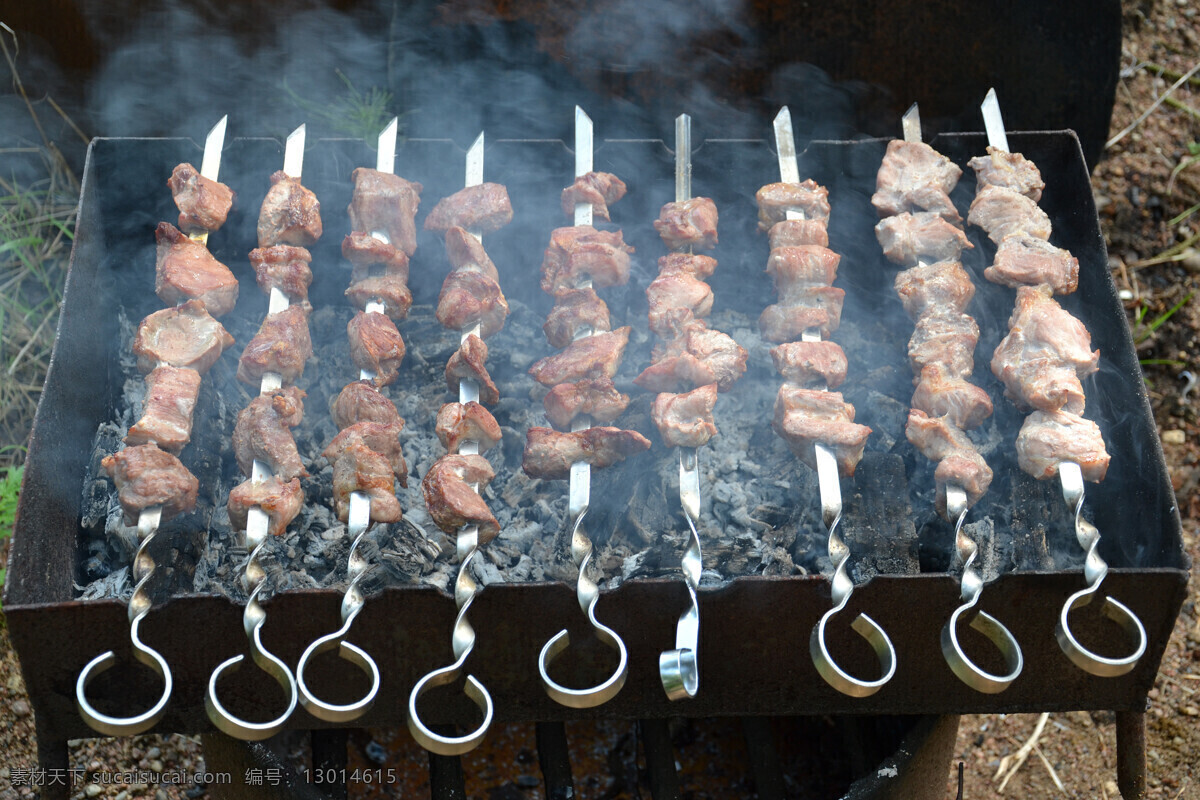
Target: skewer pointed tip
{"x":911,"y":124}
{"x":385,"y":157}
{"x":783,"y":117}
{"x":993,"y":122}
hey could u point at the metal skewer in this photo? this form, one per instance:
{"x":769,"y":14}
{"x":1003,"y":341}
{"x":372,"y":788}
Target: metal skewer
{"x":1070,"y":477}
{"x":465,"y":588}
{"x":579,"y":498}
{"x":842,"y":585}
{"x":143,"y":563}
{"x":254,"y":576}
{"x":358,"y":523}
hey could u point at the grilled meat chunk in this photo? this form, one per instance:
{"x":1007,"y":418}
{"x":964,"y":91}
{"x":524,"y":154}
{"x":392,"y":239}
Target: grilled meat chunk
{"x":1024,"y":260}
{"x":688,"y":223}
{"x":697,"y":356}
{"x":290,"y":214}
{"x":946,"y":337}
{"x":368,"y":255}
{"x":362,"y":402}
{"x":943,"y":286}
{"x":282,"y":345}
{"x":203,"y":204}
{"x":146,"y":476}
{"x":808,"y":307}
{"x":1048,"y":438}
{"x":686,"y":420}
{"x":469,"y":297}
{"x":466,"y":253}
{"x":693,"y":264}
{"x":184,"y":336}
{"x":601,"y":189}
{"x":383,"y":439}
{"x":390,"y":290}
{"x":451,"y":500}
{"x":285,"y":268}
{"x":925,"y":236}
{"x":171,"y":394}
{"x":589,"y":357}
{"x":794,"y":268}
{"x":575,"y":310}
{"x":775,"y":199}
{"x":376,"y":345}
{"x":484,"y":208}
{"x":185,"y":270}
{"x":467,"y":422}
{"x":915,"y":177}
{"x":263,"y":432}
{"x":358,"y":468}
{"x":580,"y":253}
{"x":386,"y":203}
{"x":1010,"y":170}
{"x":958,"y":462}
{"x":811,"y":364}
{"x":597,"y":398}
{"x":280,"y":500}
{"x":940,"y":393}
{"x":799,"y":232}
{"x":469,"y":363}
{"x":1002,"y":212}
{"x":549,"y":454}
{"x":808,"y":417}
{"x":676,"y":298}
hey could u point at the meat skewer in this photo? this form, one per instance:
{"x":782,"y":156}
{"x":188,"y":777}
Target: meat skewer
{"x":1056,"y":439}
{"x":154,"y":483}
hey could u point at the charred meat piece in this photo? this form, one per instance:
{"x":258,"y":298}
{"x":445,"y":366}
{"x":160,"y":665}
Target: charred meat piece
{"x":775,"y":199}
{"x":146,"y":476}
{"x":811,"y":364}
{"x":580,"y":253}
{"x":942,"y":286}
{"x":466,"y":253}
{"x":358,"y":468}
{"x":1010,"y":170}
{"x":1048,"y":438}
{"x":589,"y":357}
{"x":171,"y":394}
{"x":601,"y":189}
{"x":383,"y":439}
{"x":806,"y":308}
{"x":185,"y":270}
{"x":946,"y":337}
{"x":1024,"y":260}
{"x":799,"y":232}
{"x":282,"y":346}
{"x":368,"y":255}
{"x":469,"y":363}
{"x":376,"y":345}
{"x":795,"y":268}
{"x":808,"y":417}
{"x":469,"y":297}
{"x":940,"y":393}
{"x":1002,"y":212}
{"x":285,"y":268}
{"x":925,"y":236}
{"x":467,"y":422}
{"x":290,"y":214}
{"x":184,"y":336}
{"x":698,"y":266}
{"x":280,"y":500}
{"x":688,"y":223}
{"x":262,"y":433}
{"x":686,"y":420}
{"x":390,"y":290}
{"x":549,"y":454}
{"x":575,"y":310}
{"x":676,"y":298}
{"x":451,"y":500}
{"x":484,"y":208}
{"x":362,"y":402}
{"x":915,"y":177}
{"x":386,"y":203}
{"x":697,"y":356}
{"x":958,"y":462}
{"x":597,"y":398}
{"x":203,"y":204}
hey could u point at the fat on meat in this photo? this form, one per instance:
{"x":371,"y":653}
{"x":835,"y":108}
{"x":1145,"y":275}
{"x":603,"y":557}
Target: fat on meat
{"x":280,"y":500}
{"x":469,"y":297}
{"x":697,"y":356}
{"x":368,"y":255}
{"x":383,"y":439}
{"x":811,"y":364}
{"x":285,"y":268}
{"x":1049,"y":438}
{"x":946,"y":337}
{"x":958,"y":461}
{"x":943,"y":286}
{"x":1024,"y":260}
{"x":805,"y":418}
{"x":469,"y":362}
{"x":358,"y":468}
{"x":166,"y":420}
{"x":809,"y":198}
{"x":580,"y":253}
{"x":676,"y":298}
{"x":1010,"y":170}
{"x":1002,"y":212}
{"x":909,"y":238}
{"x":799,"y":232}
{"x":183,"y":336}
{"x":575,"y":310}
{"x":915,"y":177}
{"x":186,"y":270}
{"x":941,"y":393}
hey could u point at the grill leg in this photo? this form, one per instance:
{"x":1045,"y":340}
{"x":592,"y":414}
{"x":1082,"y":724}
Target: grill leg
{"x":1131,"y":754}
{"x":446,"y":778}
{"x":255,"y":771}
{"x":53,"y":758}
{"x":329,"y":756}
{"x":660,"y":758}
{"x":555,"y":759}
{"x":764,"y":761}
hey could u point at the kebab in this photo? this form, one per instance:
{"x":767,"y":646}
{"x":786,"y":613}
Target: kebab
{"x":816,"y":423}
{"x":1041,"y":363}
{"x":264,"y":504}
{"x":579,"y":260}
{"x":923,"y":232}
{"x":174,"y":348}
{"x":472,"y":303}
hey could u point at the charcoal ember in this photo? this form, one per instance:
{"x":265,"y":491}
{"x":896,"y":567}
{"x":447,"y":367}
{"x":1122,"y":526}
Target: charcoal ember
{"x":878,"y":527}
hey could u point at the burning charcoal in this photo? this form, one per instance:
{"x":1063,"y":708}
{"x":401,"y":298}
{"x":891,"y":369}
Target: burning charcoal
{"x":468,"y":363}
{"x":601,"y":189}
{"x":360,"y":469}
{"x":466,"y":253}
{"x":675,"y":299}
{"x":1002,"y":212}
{"x":580,"y":253}
{"x":776,"y":199}
{"x":451,"y":497}
{"x":810,"y":363}
{"x":1049,"y":438}
{"x":697,"y":356}
{"x":1009,"y":170}
{"x":1024,"y":260}
{"x":364,"y":252}
{"x":285,"y":268}
{"x":471,"y":297}
{"x":383,"y":439}
{"x":376,"y":346}
{"x":386,"y":203}
{"x":688,"y":223}
{"x":463,"y":422}
{"x":184,"y":336}
{"x":290,"y":214}
{"x":589,"y":357}
{"x":281,"y":501}
{"x":805,"y":308}
{"x":941,"y":287}
{"x":185,"y":270}
{"x":549,"y":454}
{"x":915,"y":177}
{"x":925,"y":236}
{"x":262,"y":433}
{"x":596,"y":398}
{"x":203,"y":204}
{"x":282,"y":346}
{"x":362,"y":402}
{"x":171,"y":394}
{"x":392,"y":290}
{"x":807,"y":417}
{"x":146,"y":476}
{"x":958,"y":462}
{"x":794,"y":268}
{"x":575,"y":310}
{"x":686,"y":420}
{"x":944,"y":337}
{"x":484,"y":208}
{"x":940,"y":393}
{"x":799,"y":232}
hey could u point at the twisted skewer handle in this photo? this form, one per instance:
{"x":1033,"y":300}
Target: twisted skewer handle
{"x":679,"y":669}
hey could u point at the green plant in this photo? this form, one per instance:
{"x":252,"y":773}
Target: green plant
{"x":1143,"y":330}
{"x":358,"y":114}
{"x":10,"y":487}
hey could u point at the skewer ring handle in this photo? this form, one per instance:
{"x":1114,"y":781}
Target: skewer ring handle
{"x":124,"y":726}
{"x":239,"y":728}
{"x":1084,"y":658}
{"x":967,"y":670}
{"x":837,"y":677}
{"x":449,"y":745}
{"x":595,"y":695}
{"x":331,"y":712}
{"x":680,"y":673}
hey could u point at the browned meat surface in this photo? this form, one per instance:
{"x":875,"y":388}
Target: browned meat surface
{"x":203,"y":204}
{"x":360,"y":469}
{"x":1024,"y":260}
{"x":1002,"y":212}
{"x":698,"y":356}
{"x":694,"y":264}
{"x":484,"y":208}
{"x":280,"y":500}
{"x":925,"y":236}
{"x":451,"y":500}
{"x":282,"y":345}
{"x":676,"y":298}
{"x":808,"y":307}
{"x":915,"y":177}
{"x":799,"y":232}
{"x":589,"y":357}
{"x":940,"y":393}
{"x":686,"y":420}
{"x":362,"y":402}
{"x":597,"y":398}
{"x":575,"y":310}
{"x":391,"y":290}
{"x":285,"y":268}
{"x":185,"y":270}
{"x":171,"y":394}
{"x":376,"y":345}
{"x":811,"y":364}
{"x":146,"y":476}
{"x":795,"y":268}
{"x":184,"y":336}
{"x":469,"y":297}
{"x":1049,"y":438}
{"x":368,"y":255}
{"x":549,"y":454}
{"x":290,"y":214}
{"x":775,"y":199}
{"x":958,"y":462}
{"x":466,"y":253}
{"x":942,"y":286}
{"x":386,"y":203}
{"x":688,"y":223}
{"x":467,"y":422}
{"x":946,"y":337}
{"x":1010,"y":170}
{"x":469,"y":363}
{"x":1046,"y":353}
{"x":383,"y":439}
{"x":580,"y":253}
{"x":263,"y":432}
{"x":601,"y":189}
{"x":807,"y":417}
